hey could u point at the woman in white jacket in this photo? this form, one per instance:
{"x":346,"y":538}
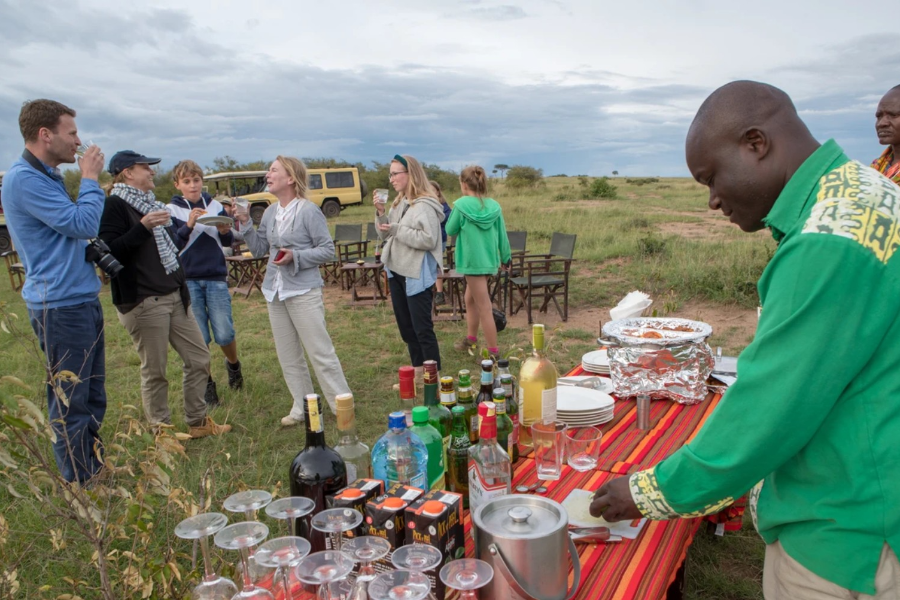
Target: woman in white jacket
{"x":411,"y":232}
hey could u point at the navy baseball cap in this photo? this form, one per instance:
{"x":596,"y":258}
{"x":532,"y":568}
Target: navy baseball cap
{"x":128,"y":158}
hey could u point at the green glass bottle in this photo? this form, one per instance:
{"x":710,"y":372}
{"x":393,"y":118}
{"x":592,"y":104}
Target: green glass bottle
{"x":508,"y":383}
{"x":458,"y":464}
{"x":434,"y":443}
{"x":439,"y":416}
{"x":505,"y":427}
{"x":466,"y":399}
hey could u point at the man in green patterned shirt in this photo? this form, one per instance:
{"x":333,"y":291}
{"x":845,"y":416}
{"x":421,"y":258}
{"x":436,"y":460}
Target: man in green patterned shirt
{"x":814,"y":416}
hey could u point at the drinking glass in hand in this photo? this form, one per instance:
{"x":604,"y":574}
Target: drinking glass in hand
{"x":583,"y":448}
{"x":80,"y":150}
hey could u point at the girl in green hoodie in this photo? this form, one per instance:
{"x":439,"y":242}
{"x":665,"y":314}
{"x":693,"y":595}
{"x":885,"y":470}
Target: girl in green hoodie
{"x":481,"y":248}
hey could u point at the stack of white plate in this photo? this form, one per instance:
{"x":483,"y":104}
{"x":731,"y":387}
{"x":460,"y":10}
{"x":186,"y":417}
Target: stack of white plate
{"x":583,"y":407}
{"x":596,"y":362}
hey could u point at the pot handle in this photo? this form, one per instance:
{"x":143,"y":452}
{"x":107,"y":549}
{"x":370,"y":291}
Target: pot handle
{"x":517,"y":587}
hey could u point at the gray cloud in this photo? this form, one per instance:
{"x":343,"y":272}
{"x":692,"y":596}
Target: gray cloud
{"x":153,"y":80}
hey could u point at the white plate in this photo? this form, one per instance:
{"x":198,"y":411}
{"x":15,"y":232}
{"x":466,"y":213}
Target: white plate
{"x":578,"y":416}
{"x":597,"y":357}
{"x":578,"y":399}
{"x":216,"y":220}
{"x":577,"y":504}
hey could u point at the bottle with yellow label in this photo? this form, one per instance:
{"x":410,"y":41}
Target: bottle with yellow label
{"x":537,"y":388}
{"x":317,"y":471}
{"x":356,"y":454}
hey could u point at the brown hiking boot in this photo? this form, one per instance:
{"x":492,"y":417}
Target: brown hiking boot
{"x":208,"y":428}
{"x":464,"y":345}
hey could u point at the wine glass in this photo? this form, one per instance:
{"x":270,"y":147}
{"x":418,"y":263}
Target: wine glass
{"x":290,"y":508}
{"x":241,"y":536}
{"x":248,"y":502}
{"x":418,"y":558}
{"x":283,"y":553}
{"x":337,"y":520}
{"x":467,"y":575}
{"x":200,"y":527}
{"x":365,"y":550}
{"x":321,"y":568}
{"x":399,"y":585}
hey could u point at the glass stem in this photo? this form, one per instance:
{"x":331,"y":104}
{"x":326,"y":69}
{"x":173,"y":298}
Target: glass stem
{"x":245,"y":563}
{"x":208,"y":573}
{"x":286,"y":583}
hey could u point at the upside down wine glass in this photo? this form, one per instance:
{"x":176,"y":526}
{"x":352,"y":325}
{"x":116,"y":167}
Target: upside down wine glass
{"x":248,"y":502}
{"x":365,"y":550}
{"x":399,"y":585}
{"x":337,"y":521}
{"x":418,"y":558}
{"x":467,"y":575}
{"x":284,"y":553}
{"x":321,"y":568}
{"x":290,"y":508}
{"x":241,"y":537}
{"x":200,"y":527}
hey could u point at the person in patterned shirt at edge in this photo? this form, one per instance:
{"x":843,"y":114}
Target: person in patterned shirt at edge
{"x":887,"y":126}
{"x":812,"y":423}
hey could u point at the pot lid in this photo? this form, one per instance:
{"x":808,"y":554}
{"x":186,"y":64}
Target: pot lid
{"x":520,"y":516}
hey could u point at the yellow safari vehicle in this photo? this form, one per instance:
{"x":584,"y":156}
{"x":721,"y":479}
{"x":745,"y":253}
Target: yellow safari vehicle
{"x":330,"y":189}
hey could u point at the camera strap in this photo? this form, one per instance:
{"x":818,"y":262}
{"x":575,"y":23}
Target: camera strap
{"x":32,"y":160}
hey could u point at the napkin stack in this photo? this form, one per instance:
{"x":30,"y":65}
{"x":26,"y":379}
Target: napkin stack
{"x":632,"y":305}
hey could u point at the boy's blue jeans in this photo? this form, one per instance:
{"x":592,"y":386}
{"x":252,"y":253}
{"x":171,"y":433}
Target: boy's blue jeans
{"x":211,"y":305}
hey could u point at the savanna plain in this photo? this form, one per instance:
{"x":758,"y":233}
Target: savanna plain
{"x":656,"y":235}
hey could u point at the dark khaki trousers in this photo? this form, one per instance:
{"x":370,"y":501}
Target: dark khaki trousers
{"x":154,"y":324}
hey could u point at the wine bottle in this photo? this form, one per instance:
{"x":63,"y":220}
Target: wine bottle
{"x":512,"y":406}
{"x":458,"y":458}
{"x":490,"y":473}
{"x":465,"y":399}
{"x":317,"y":471}
{"x":505,"y":427}
{"x":407,"y":379}
{"x":355,"y":453}
{"x":537,"y":388}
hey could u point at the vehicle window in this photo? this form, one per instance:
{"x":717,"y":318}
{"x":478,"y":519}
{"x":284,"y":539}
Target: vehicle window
{"x":315,"y":182}
{"x":339,"y":180}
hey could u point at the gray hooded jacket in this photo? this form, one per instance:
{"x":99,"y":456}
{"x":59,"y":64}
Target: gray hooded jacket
{"x":415,"y":230}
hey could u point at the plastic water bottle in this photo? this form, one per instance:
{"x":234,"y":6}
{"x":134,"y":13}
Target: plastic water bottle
{"x":400,"y":455}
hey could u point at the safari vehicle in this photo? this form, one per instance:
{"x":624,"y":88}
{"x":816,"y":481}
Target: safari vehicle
{"x":5,"y":240}
{"x":330,"y":189}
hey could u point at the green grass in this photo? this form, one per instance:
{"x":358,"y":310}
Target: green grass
{"x":623,"y":244}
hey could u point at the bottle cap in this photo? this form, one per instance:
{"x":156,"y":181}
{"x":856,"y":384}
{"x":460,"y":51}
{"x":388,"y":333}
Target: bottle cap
{"x":487,"y":364}
{"x":447,"y":382}
{"x":407,"y":382}
{"x":499,"y":393}
{"x":394,"y":503}
{"x":465,"y":378}
{"x":503,"y":363}
{"x":406,"y":373}
{"x":433,"y":508}
{"x":420,"y":414}
{"x":344,"y":401}
{"x":397,"y":420}
{"x":351,"y":493}
{"x":506,"y":378}
{"x":431,"y":371}
{"x":458,"y":410}
{"x":537,"y":335}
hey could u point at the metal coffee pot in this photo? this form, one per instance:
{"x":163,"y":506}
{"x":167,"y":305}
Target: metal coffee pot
{"x":525,"y":539}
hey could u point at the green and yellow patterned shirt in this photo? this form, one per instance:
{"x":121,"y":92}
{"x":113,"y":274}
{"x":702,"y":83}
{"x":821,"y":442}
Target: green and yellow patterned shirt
{"x":815,"y":413}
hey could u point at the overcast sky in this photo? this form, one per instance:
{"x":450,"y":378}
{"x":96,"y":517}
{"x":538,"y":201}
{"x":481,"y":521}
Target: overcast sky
{"x":580,"y":86}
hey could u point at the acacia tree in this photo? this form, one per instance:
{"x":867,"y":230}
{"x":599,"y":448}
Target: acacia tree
{"x":502,"y":168}
{"x":615,"y":173}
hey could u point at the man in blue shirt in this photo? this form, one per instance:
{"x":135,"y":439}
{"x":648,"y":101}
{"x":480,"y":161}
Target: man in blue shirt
{"x":50,"y":233}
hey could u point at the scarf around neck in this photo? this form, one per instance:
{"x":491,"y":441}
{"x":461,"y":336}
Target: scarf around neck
{"x":882,"y":164}
{"x":146,"y":202}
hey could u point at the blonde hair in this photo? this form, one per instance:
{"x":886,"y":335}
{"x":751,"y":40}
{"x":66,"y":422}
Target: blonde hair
{"x":186,"y":168}
{"x":417,"y":184}
{"x":296,"y":170}
{"x":476,"y":181}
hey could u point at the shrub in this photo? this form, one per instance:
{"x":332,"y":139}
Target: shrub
{"x":642,"y":180}
{"x":520,"y":176}
{"x":602,"y":188}
{"x":583,"y":181}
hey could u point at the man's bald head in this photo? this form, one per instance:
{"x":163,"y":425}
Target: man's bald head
{"x":744,"y":144}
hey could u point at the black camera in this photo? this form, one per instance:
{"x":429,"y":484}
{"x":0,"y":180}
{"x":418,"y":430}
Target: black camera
{"x":98,"y":253}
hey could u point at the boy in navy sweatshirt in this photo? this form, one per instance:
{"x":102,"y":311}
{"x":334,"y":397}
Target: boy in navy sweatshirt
{"x":204,"y":266}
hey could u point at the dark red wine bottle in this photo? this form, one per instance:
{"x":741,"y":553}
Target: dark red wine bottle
{"x":317,"y":471}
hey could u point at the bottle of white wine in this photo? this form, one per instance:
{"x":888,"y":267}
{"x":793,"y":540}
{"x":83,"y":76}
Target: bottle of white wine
{"x":537,"y":388}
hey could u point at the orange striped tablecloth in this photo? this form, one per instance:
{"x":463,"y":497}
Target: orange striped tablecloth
{"x":642,"y":568}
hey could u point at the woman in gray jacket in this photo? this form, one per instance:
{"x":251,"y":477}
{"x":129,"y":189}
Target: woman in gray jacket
{"x":295,"y":235}
{"x":411,"y":231}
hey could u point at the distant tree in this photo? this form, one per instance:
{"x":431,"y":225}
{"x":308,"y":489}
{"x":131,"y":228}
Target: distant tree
{"x":494,"y":171}
{"x":615,"y":173}
{"x":226,"y":163}
{"x":72,"y":181}
{"x":502,"y":168}
{"x":521,"y":176}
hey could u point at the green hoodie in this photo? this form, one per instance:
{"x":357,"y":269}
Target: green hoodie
{"x":481,"y":243}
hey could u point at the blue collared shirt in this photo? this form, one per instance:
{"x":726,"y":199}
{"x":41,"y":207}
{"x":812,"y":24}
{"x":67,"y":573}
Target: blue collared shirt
{"x":49,"y":232}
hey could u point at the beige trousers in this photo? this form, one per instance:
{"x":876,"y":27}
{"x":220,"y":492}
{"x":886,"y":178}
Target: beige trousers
{"x":298,"y":324}
{"x":154,"y":324}
{"x":786,"y":579}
